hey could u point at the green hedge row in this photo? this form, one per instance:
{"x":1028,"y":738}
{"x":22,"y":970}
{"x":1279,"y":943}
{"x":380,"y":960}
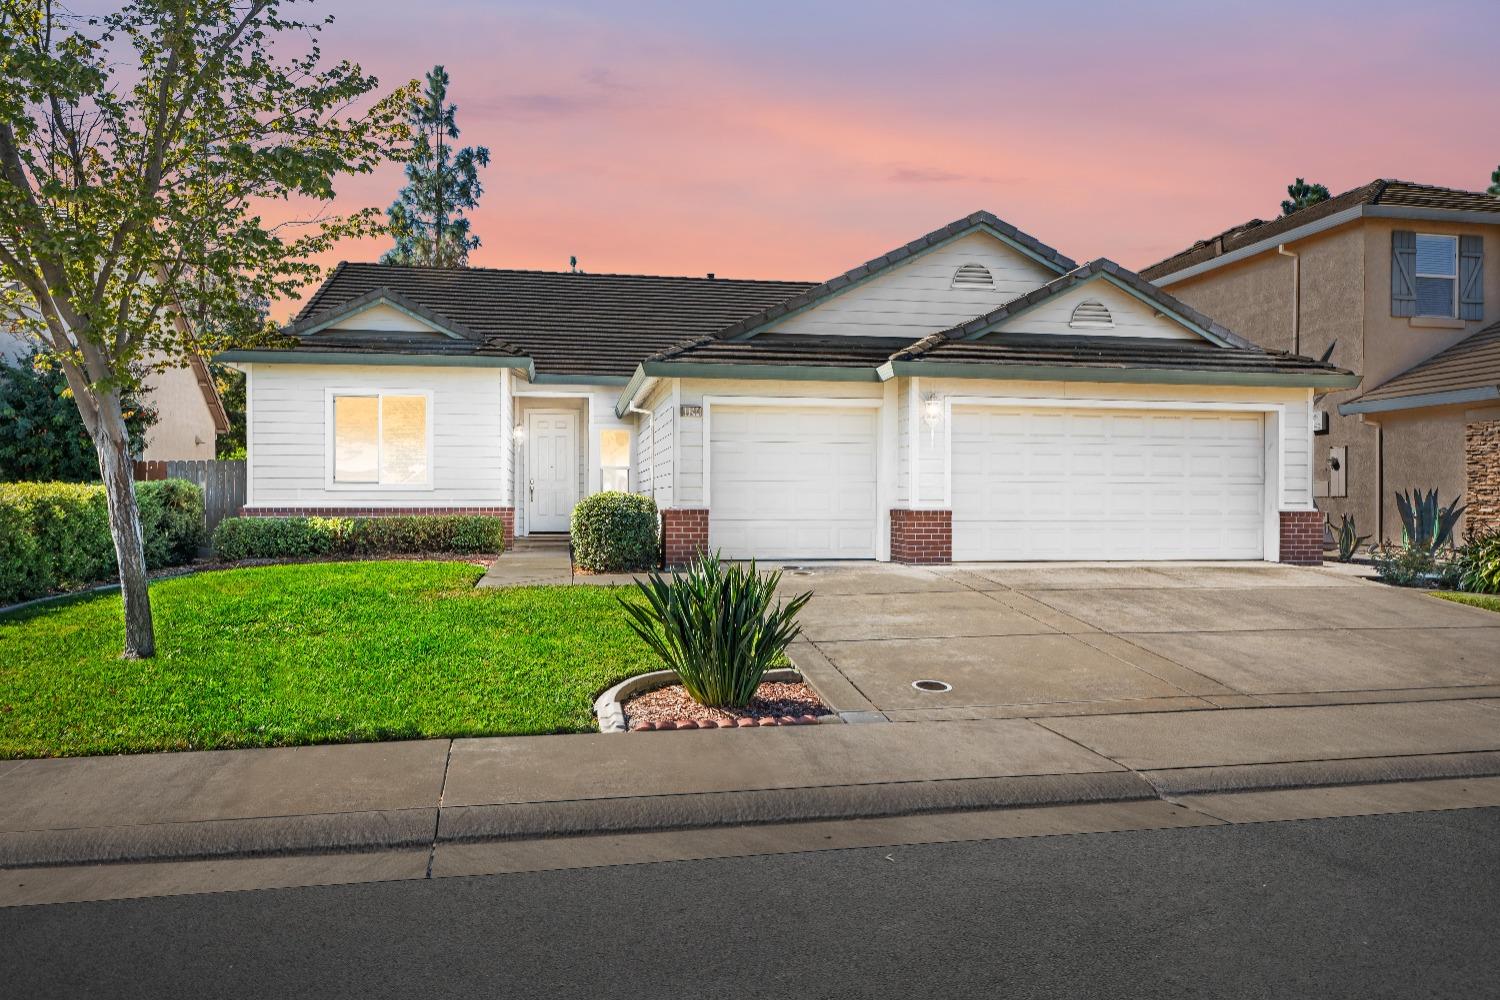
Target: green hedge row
{"x":615,"y":533}
{"x":239,"y":538}
{"x":56,"y":535}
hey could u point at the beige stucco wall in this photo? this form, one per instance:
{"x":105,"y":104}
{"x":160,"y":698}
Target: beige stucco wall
{"x":1254,"y":298}
{"x":184,"y":427}
{"x":1346,"y":299}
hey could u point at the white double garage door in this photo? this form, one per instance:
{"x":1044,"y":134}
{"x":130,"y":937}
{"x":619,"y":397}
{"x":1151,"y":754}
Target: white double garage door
{"x":1027,"y":483}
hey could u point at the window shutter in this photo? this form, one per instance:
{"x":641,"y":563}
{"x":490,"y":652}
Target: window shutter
{"x":1403,"y":273}
{"x":1471,"y":277}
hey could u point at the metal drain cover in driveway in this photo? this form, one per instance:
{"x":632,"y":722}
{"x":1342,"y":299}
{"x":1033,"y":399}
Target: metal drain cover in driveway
{"x":937,"y":687}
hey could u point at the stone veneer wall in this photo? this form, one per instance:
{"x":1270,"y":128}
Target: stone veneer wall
{"x":1482,"y":475}
{"x":1302,"y":537}
{"x":921,"y":537}
{"x":684,"y":534}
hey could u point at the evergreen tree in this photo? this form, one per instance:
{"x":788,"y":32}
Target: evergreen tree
{"x":427,"y":218}
{"x":1494,"y":187}
{"x":1303,"y":194}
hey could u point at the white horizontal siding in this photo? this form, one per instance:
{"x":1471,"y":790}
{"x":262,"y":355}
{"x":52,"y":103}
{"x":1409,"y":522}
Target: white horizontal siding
{"x":917,"y":297}
{"x":1132,"y":317}
{"x":288,"y":435}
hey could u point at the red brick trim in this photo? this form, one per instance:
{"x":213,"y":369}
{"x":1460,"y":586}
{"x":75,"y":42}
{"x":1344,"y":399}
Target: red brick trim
{"x":506,"y":514}
{"x":921,"y":536}
{"x":684,"y":534}
{"x":1302,"y":537}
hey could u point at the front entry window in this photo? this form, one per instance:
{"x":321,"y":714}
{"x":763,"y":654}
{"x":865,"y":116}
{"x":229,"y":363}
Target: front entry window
{"x":614,"y":460}
{"x":380,"y":438}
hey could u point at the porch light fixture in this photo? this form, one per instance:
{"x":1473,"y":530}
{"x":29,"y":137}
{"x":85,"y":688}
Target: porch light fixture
{"x":518,"y":434}
{"x":932,"y":413}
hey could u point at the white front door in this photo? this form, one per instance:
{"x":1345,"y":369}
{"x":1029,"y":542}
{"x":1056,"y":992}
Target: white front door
{"x":792,"y":482}
{"x":1107,"y":484}
{"x":551,"y":469}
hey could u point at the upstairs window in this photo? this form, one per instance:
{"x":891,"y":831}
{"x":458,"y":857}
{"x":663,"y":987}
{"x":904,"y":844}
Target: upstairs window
{"x":973,"y":276}
{"x":1091,"y":315}
{"x":380,"y":439}
{"x":1437,"y":275}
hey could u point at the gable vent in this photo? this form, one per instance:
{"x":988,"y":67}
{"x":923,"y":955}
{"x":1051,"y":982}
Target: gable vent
{"x":973,"y":276}
{"x":1091,"y":315}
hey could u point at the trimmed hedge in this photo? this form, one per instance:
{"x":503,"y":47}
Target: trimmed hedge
{"x":239,"y":538}
{"x":56,"y":535}
{"x":615,"y":533}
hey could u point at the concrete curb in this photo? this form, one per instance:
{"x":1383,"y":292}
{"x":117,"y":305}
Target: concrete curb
{"x":220,"y":838}
{"x":609,"y":707}
{"x":1318,"y":773}
{"x":529,"y":820}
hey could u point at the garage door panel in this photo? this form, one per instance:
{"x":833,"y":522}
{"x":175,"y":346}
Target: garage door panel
{"x":792,"y":483}
{"x":1100,"y":484}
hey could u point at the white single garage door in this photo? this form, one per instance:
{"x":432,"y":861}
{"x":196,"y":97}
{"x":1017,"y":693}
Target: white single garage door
{"x":1107,"y":484}
{"x":792,"y":482}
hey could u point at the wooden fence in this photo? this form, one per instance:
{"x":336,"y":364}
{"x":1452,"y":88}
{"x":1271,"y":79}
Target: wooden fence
{"x":223,"y":483}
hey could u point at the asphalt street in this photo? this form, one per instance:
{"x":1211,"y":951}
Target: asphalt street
{"x":1389,"y":906}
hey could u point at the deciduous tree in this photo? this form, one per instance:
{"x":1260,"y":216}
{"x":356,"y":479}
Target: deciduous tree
{"x":138,"y":153}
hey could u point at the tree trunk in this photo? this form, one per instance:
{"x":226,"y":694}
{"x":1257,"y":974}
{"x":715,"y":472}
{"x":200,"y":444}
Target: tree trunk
{"x":113,"y":444}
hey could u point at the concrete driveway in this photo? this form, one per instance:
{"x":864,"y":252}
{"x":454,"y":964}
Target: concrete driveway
{"x":1018,"y":640}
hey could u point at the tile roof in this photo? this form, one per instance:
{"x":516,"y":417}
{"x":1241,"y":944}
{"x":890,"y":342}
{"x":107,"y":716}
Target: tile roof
{"x":1472,"y":363}
{"x":789,"y":349}
{"x":1378,"y":192}
{"x":568,"y":323}
{"x":889,"y":259}
{"x":1116,"y":352}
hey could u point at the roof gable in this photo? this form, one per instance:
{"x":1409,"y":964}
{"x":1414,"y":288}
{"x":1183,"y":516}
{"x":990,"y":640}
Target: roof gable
{"x":927,"y":292}
{"x":1018,"y":242}
{"x":1164,"y":308}
{"x":381,"y":310}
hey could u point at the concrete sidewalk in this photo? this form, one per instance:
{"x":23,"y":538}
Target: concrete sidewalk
{"x":418,"y":795}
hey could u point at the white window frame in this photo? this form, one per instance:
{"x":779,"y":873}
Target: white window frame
{"x":331,"y":439}
{"x":1418,"y":275}
{"x":629,"y":454}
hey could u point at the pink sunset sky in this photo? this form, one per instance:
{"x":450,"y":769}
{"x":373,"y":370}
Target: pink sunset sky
{"x":794,"y":140}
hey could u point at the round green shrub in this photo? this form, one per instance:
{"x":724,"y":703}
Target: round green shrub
{"x":615,"y":533}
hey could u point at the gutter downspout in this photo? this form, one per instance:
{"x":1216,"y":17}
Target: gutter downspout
{"x":1296,"y":296}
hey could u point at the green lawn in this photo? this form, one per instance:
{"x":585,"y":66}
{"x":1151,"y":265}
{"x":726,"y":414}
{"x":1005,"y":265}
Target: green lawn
{"x":1489,"y":602}
{"x":315,"y":653}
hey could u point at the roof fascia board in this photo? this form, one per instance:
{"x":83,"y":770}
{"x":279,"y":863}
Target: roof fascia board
{"x":546,"y":378}
{"x":1451,"y":397}
{"x":1160,"y":307}
{"x":1070,"y":373}
{"x":787,"y":373}
{"x":354,"y":360}
{"x":1413,"y":212}
{"x":985,"y":227}
{"x":638,"y":381}
{"x":381,"y":300}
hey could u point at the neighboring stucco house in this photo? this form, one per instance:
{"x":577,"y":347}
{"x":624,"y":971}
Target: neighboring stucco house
{"x":189,"y":413}
{"x":972,"y":395}
{"x":1396,"y":282}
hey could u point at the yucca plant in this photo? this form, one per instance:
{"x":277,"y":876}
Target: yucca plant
{"x":1347,"y":537}
{"x":716,"y":626}
{"x":1424,"y":524}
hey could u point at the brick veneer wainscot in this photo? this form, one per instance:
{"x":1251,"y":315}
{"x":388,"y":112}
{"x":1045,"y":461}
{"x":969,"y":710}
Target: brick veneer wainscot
{"x":1302,"y":537}
{"x":684,"y":534}
{"x":1482,"y":475}
{"x":922,"y":537}
{"x":507,"y":515}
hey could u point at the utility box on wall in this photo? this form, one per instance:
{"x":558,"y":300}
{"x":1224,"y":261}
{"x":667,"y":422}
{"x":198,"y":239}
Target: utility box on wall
{"x":1338,"y":470}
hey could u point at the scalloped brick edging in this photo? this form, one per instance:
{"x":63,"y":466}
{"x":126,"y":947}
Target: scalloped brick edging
{"x":742,"y":723}
{"x":609,"y":707}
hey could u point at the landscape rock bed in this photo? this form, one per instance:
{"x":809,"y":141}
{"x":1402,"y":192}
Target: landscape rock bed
{"x":776,"y":703}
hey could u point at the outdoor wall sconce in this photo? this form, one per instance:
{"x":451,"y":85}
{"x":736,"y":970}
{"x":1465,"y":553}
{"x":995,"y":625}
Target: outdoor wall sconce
{"x":932,"y":413}
{"x":518,"y":433}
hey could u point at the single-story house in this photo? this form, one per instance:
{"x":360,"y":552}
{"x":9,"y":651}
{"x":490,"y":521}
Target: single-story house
{"x":971,"y":395}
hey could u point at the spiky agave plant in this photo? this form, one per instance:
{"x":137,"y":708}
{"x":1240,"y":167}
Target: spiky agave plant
{"x":1425,"y":525}
{"x":1349,"y":540}
{"x":716,"y":626}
